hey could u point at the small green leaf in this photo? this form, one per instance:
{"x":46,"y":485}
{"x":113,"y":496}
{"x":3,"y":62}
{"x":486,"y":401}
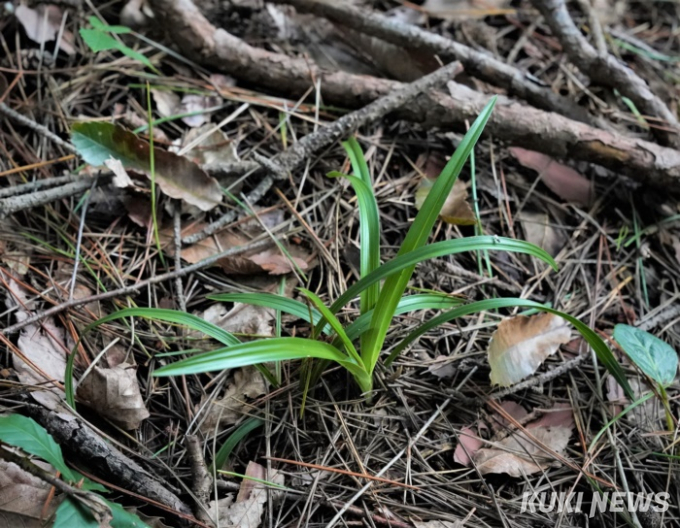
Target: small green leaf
{"x":98,"y":24}
{"x":29,"y":435}
{"x":654,"y":357}
{"x":98,"y":41}
{"x":123,"y":518}
{"x":73,"y":514}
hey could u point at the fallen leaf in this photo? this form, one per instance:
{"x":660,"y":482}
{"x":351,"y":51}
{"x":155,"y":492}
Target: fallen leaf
{"x":561,"y":179}
{"x":538,"y":231}
{"x":560,"y":415}
{"x":23,"y":496}
{"x":439,"y":524}
{"x":167,"y":102}
{"x":17,"y":260}
{"x":468,"y":445}
{"x":247,"y":510}
{"x":247,"y":383}
{"x":121,"y":178}
{"x":210,"y":148}
{"x":520,"y":344}
{"x":114,"y":393}
{"x":517,"y":456}
{"x":176,"y":176}
{"x":442,"y":367}
{"x":42,"y":25}
{"x":515,"y":410}
{"x":197,"y":103}
{"x":241,"y":319}
{"x":464,"y":9}
{"x":44,"y":348}
{"x":456,"y":209}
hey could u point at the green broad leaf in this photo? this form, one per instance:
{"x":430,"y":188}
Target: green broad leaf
{"x":123,"y":518}
{"x":440,"y":249}
{"x":417,"y":236}
{"x":411,"y":303}
{"x":255,"y":352}
{"x":98,"y":40}
{"x":73,"y":514}
{"x":98,"y":24}
{"x":234,"y":439}
{"x":369,"y":237}
{"x":335,"y":325}
{"x":655,"y":358}
{"x":29,"y":435}
{"x":275,"y":302}
{"x":604,"y":355}
{"x":175,"y":175}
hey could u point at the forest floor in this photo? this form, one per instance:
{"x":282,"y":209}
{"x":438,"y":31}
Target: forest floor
{"x":579,"y":157}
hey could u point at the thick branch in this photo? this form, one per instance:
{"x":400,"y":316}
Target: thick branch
{"x":605,"y":70}
{"x":515,"y":123}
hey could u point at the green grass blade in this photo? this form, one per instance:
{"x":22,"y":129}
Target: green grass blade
{"x":358,"y":161}
{"x":412,"y":303}
{"x":234,"y":438}
{"x":417,"y":236}
{"x":439,"y":249}
{"x":253,"y":353}
{"x":616,"y":418}
{"x":369,"y":225}
{"x":335,"y":324}
{"x":595,"y":341}
{"x":274,"y":301}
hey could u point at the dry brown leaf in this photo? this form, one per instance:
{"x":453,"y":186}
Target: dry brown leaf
{"x":270,"y":260}
{"x":247,"y":383}
{"x":241,"y":319}
{"x":44,"y":348}
{"x":17,"y":260}
{"x":167,"y":102}
{"x":456,"y":209}
{"x":197,"y":103}
{"x":515,"y":410}
{"x":538,"y":231}
{"x":517,"y":456}
{"x":121,"y":178}
{"x":468,"y":445}
{"x":114,"y":393}
{"x":521,"y":344}
{"x":215,"y":149}
{"x":442,"y":367}
{"x":561,"y":179}
{"x":464,"y":9}
{"x":42,"y":25}
{"x":247,"y":510}
{"x":22,"y":497}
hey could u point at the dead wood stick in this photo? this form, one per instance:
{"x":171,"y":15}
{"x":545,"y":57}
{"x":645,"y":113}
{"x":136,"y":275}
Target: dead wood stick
{"x":605,"y":70}
{"x":282,"y":164}
{"x":476,"y":63}
{"x":513,"y":122}
{"x":85,"y":445}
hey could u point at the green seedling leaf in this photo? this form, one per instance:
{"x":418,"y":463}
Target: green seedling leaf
{"x":123,"y":518}
{"x":73,"y":514}
{"x":98,"y":24}
{"x":98,"y":38}
{"x":234,"y":438}
{"x":175,"y":175}
{"x":654,"y":357}
{"x":98,"y":41}
{"x":29,"y":435}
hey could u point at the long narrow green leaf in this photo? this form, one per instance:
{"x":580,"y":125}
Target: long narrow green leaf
{"x":411,"y":303}
{"x":595,"y":341}
{"x":417,"y":236}
{"x":335,"y":324}
{"x":439,"y":249}
{"x":275,"y":302}
{"x":369,"y":224}
{"x":234,"y":438}
{"x":357,"y":159}
{"x":252,"y":353}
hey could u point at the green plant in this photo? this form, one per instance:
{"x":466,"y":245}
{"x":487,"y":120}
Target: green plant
{"x":25,"y":433}
{"x":653,"y":357}
{"x":378,"y":304}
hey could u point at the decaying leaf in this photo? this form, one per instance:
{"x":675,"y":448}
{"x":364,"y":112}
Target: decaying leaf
{"x":243,"y":319}
{"x":121,"y":178}
{"x":246,"y":511}
{"x":44,"y":349}
{"x":561,"y":179}
{"x":167,"y":102}
{"x":42,"y":25}
{"x":499,"y":422}
{"x":16,"y":257}
{"x":197,"y":103}
{"x":23,"y":497}
{"x":439,"y":524}
{"x":464,"y":9}
{"x":247,"y":383}
{"x":456,"y":209}
{"x":176,"y":176}
{"x":517,"y":456}
{"x":114,"y":393}
{"x":539,"y":231}
{"x":521,"y":344}
{"x":269,"y":260}
{"x":468,"y":445}
{"x":209,"y":147}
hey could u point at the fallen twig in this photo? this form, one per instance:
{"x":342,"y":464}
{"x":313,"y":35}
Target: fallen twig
{"x":476,"y":63}
{"x":511,"y":121}
{"x":37,"y":127}
{"x":605,"y":70}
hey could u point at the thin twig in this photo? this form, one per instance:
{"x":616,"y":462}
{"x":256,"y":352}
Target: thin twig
{"x":15,"y":204}
{"x":36,"y":127}
{"x":36,"y":185}
{"x":79,"y":240}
